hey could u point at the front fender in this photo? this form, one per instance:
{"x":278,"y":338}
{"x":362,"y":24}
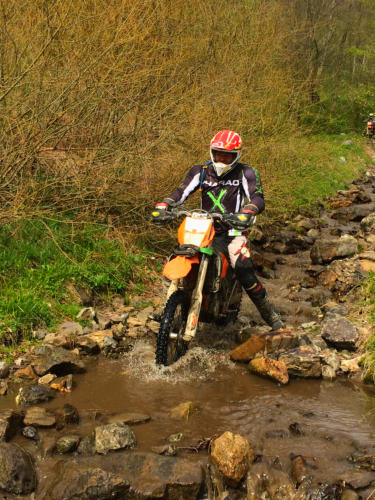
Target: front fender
{"x":179,"y":267}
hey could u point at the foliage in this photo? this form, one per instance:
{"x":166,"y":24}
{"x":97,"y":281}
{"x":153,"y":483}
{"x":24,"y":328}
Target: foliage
{"x":38,"y":258}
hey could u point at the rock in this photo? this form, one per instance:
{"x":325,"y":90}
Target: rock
{"x":34,"y":394}
{"x":51,"y":359}
{"x":39,"y":334}
{"x":334,"y":308}
{"x":17,"y":474}
{"x":353,"y":213}
{"x":270,"y":368}
{"x":324,"y":251}
{"x":86,"y":313}
{"x":168,"y":450}
{"x":368,"y":224}
{"x":3,"y":388}
{"x":288,"y":242}
{"x":233,"y":455}
{"x":295,"y":429}
{"x":340,"y":333}
{"x":364,"y":461}
{"x":60,"y":340}
{"x":183,"y":410}
{"x":25,"y":373}
{"x":30,"y":432}
{"x":87,"y":445}
{"x":114,"y":437}
{"x":349,"y":495}
{"x":265,"y":342}
{"x":67,"y":444}
{"x":63,"y":384}
{"x":367,"y":266}
{"x":264,"y":482}
{"x":47,"y":379}
{"x":302,"y":362}
{"x":10,"y":423}
{"x":328,"y":373}
{"x":129,"y":418}
{"x":313,"y":234}
{"x":87,"y":345}
{"x":39,"y":417}
{"x":68,"y":415}
{"x":351,"y":365}
{"x":4,"y":369}
{"x":99,"y":337}
{"x":70,"y":328}
{"x":175,"y":438}
{"x":341,"y":276}
{"x":76,"y":480}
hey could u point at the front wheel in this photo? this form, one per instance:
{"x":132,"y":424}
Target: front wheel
{"x":170,"y":345}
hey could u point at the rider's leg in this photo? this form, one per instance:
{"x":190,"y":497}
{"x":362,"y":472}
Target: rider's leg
{"x":239,"y":254}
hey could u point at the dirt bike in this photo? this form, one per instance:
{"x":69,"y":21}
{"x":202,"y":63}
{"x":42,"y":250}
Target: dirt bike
{"x":370,"y":129}
{"x":203,"y":286}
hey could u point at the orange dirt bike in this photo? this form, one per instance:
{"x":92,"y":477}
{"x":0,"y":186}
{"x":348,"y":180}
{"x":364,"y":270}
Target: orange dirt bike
{"x":203,"y":286}
{"x":370,"y":129}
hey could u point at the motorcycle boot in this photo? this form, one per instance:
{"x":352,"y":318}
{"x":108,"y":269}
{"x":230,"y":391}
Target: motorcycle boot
{"x":265,"y":308}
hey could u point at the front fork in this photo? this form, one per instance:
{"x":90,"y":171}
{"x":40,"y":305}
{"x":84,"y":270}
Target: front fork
{"x":196,"y":301}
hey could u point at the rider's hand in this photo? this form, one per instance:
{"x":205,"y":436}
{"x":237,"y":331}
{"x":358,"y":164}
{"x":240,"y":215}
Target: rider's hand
{"x":162,"y":206}
{"x":250,"y":209}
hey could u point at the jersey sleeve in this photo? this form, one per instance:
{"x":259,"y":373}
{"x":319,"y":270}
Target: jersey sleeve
{"x":189,"y":186}
{"x":252,"y":187}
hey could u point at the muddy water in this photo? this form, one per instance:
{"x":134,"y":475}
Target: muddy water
{"x":334,"y":419}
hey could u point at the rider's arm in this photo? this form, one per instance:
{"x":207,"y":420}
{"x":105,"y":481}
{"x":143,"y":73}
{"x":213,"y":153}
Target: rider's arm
{"x":252,"y":187}
{"x":189,"y":186}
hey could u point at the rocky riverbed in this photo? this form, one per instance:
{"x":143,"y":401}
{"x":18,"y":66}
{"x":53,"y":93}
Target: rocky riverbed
{"x":247,"y":413}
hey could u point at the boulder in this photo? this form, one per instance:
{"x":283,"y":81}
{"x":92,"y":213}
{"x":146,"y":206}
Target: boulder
{"x":4,"y":369}
{"x":324,"y":251}
{"x":340,"y":333}
{"x":114,"y":437}
{"x":302,"y":362}
{"x":233,"y":455}
{"x":51,"y":359}
{"x":17,"y":474}
{"x":33,"y":395}
{"x":10,"y":423}
{"x":67,"y":444}
{"x":270,"y":368}
{"x":39,"y":417}
{"x":90,"y":483}
{"x":368,"y":224}
{"x":266,"y":343}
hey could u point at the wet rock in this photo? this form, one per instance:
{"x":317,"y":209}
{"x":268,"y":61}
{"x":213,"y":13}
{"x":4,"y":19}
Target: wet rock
{"x":3,"y":388}
{"x":328,"y":373}
{"x":70,"y":328}
{"x":168,"y":450}
{"x":349,"y":495}
{"x":87,"y":445}
{"x":10,"y":423}
{"x":63,"y":384}
{"x":183,"y":410}
{"x":233,"y":455}
{"x":351,"y":365}
{"x":368,"y":223}
{"x":39,"y":417}
{"x":33,"y":395}
{"x":298,"y":470}
{"x":99,"y":337}
{"x":324,"y":251}
{"x":4,"y":369}
{"x":302,"y":362}
{"x":363,"y":460}
{"x":267,"y":482}
{"x":51,"y":359}
{"x":30,"y":432}
{"x":25,"y":373}
{"x":175,"y":438}
{"x":17,"y":474}
{"x":67,"y":444}
{"x":60,"y":340}
{"x":129,"y":418}
{"x":114,"y":437}
{"x":90,"y":483}
{"x":67,"y":415}
{"x":265,"y":342}
{"x":296,"y":429}
{"x":270,"y":368}
{"x":352,"y":213}
{"x":47,"y":379}
{"x":87,"y":345}
{"x":340,"y":333}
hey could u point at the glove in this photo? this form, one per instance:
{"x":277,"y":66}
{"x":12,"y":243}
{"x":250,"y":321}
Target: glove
{"x":240,"y":221}
{"x":250,"y":209}
{"x":161,"y":213}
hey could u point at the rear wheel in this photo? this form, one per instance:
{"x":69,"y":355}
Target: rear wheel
{"x":170,"y":345}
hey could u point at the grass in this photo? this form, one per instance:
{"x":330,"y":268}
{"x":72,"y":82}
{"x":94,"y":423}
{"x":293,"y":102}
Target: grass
{"x":369,"y":360}
{"x":39,"y":258}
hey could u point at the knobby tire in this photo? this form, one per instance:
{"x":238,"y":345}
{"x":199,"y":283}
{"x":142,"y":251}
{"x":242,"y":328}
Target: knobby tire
{"x":178,"y":298}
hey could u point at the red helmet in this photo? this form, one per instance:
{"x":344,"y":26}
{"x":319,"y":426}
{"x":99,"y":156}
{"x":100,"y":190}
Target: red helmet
{"x":230,"y":142}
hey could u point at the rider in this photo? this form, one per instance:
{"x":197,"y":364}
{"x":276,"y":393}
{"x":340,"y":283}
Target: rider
{"x":228,"y":186}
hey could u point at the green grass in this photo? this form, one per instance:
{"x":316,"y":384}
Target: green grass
{"x":368,"y":291}
{"x":38,"y":258}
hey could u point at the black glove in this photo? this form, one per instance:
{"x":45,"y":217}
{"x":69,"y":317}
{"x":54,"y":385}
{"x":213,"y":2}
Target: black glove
{"x":161,"y":214}
{"x":240,"y":221}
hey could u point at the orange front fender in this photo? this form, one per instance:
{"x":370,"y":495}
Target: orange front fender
{"x":179,"y":267}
